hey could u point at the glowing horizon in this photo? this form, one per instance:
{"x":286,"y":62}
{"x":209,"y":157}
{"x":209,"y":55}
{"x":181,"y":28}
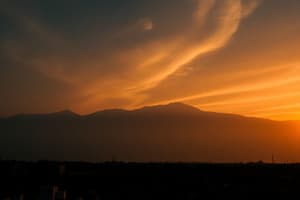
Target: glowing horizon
{"x":231,"y":56}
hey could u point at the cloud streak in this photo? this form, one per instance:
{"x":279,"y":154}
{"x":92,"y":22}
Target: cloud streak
{"x":179,"y":50}
{"x":203,"y":47}
{"x":285,"y":75}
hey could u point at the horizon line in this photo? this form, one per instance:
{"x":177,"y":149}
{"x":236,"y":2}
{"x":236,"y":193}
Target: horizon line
{"x":140,"y":108}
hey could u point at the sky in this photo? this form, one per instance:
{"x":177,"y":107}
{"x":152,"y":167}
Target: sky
{"x":233,"y":56}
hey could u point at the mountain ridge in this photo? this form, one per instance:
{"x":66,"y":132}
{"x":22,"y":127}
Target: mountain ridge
{"x":173,"y":108}
{"x":174,"y":132}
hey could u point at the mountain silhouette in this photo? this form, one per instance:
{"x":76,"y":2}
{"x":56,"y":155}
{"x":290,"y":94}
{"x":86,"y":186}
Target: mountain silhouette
{"x":173,"y":132}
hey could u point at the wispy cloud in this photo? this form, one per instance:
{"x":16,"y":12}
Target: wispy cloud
{"x":227,"y":24}
{"x":156,"y":61}
{"x":145,"y":24}
{"x":141,"y":56}
{"x":284,"y":75}
{"x":249,"y":6}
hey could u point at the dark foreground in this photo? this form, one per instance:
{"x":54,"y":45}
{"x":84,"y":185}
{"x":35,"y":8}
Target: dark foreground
{"x":53,"y":180}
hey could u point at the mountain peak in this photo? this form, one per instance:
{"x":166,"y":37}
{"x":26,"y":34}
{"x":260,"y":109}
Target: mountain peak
{"x":64,"y":113}
{"x":176,"y":107}
{"x":181,"y":105}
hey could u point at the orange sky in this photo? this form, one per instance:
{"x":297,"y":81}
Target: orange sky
{"x":234,"y":56}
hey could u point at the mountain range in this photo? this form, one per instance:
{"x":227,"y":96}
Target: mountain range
{"x":165,"y":133}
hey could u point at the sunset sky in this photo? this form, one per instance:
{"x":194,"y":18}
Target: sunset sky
{"x":233,"y":56}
